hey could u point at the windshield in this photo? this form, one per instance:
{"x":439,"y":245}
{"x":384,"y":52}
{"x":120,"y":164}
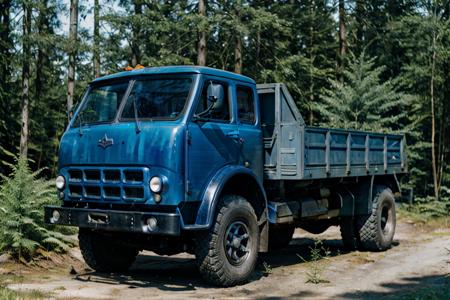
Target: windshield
{"x":161,"y":98}
{"x":157,"y":98}
{"x":101,"y":103}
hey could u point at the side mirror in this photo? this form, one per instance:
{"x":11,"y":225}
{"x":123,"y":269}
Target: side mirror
{"x":215,"y":96}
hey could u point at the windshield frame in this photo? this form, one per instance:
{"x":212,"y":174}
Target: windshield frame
{"x":74,"y":121}
{"x":182,"y":113}
{"x":131,"y":80}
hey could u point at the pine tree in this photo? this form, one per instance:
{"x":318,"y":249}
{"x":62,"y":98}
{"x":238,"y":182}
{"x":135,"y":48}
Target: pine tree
{"x":426,"y":44}
{"x":362,"y":101}
{"x":312,"y":48}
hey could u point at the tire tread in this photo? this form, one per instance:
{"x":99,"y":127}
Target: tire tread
{"x":208,"y":261}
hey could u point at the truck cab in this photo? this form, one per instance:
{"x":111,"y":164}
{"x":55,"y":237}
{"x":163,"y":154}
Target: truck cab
{"x":201,"y":160}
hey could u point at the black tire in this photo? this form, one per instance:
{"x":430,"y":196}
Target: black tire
{"x":280,"y":236}
{"x":218,"y":258}
{"x":103,"y":254}
{"x":316,"y":227}
{"x":348,"y":233}
{"x":376,"y":231}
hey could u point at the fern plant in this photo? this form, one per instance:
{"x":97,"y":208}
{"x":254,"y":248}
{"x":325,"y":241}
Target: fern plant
{"x":22,"y":229}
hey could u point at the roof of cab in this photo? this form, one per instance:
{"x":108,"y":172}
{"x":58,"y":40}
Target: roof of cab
{"x":178,"y":69}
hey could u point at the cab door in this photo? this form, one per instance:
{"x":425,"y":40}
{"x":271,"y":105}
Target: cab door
{"x":212,"y":139}
{"x":251,"y":151}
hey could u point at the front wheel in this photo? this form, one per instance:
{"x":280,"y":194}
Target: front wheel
{"x":103,"y":254}
{"x":226,"y":254}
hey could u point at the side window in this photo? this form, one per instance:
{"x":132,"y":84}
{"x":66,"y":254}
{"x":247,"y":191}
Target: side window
{"x":245,"y":105}
{"x":215,"y":111}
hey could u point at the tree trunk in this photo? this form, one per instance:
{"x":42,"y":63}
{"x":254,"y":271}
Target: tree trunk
{"x":258,"y":45}
{"x":311,"y":55}
{"x":238,"y":55}
{"x":444,"y":124}
{"x":96,"y":53}
{"x":201,"y":53}
{"x":41,"y":65}
{"x":42,"y":57}
{"x":238,"y":41}
{"x":360,"y":12}
{"x":73,"y":36}
{"x":25,"y":78}
{"x":5,"y":42}
{"x":135,"y":52}
{"x":342,"y":40}
{"x":433,"y":120}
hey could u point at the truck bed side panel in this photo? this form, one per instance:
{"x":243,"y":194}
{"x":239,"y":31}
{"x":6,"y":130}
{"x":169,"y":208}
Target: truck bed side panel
{"x":340,"y":153}
{"x":294,"y":151}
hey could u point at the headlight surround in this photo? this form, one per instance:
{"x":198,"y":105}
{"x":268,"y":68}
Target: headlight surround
{"x":156,"y":184}
{"x":60,"y":182}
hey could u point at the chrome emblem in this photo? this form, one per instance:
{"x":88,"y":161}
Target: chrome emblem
{"x":105,"y":142}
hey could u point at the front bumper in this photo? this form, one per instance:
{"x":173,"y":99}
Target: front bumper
{"x":114,"y":220}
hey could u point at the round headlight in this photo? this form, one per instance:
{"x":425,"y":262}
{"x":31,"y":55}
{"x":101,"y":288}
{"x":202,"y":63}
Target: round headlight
{"x":60,"y":182}
{"x":55,"y":216}
{"x":156,"y":184}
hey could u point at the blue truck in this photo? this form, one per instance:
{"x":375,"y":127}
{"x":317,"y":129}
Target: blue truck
{"x":199,"y":160}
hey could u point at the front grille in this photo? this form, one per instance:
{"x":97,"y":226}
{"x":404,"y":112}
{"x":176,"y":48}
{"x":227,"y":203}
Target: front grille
{"x":108,"y":184}
{"x":75,"y":175}
{"x":92,"y":175}
{"x":112,"y":191}
{"x":133,"y":176}
{"x":93,"y":191}
{"x":134,"y":192}
{"x":75,"y":190}
{"x":112,"y":175}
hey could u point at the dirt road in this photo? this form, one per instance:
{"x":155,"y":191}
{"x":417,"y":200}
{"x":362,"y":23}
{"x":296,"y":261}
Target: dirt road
{"x":418,"y":263}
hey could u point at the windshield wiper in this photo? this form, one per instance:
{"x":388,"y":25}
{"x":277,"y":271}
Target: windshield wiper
{"x":136,"y":120}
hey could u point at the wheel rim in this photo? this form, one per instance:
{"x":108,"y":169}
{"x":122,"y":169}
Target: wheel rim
{"x":237,"y":243}
{"x":386,"y":220}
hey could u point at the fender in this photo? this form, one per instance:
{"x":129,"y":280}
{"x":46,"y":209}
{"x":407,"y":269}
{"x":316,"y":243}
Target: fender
{"x":366,"y":191}
{"x":212,"y":193}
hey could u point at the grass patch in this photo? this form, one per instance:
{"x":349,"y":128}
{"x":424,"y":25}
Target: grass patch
{"x":6,"y":279}
{"x":8,"y":294}
{"x":410,"y":213}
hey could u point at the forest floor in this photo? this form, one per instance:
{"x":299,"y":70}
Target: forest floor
{"x":417,"y":267}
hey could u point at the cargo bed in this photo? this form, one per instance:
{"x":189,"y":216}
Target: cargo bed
{"x":294,"y":151}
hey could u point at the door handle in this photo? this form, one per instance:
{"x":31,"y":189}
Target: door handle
{"x":233,"y":134}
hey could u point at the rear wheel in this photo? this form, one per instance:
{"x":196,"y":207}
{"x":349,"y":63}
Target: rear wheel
{"x":103,"y":254}
{"x":226,"y":254}
{"x":376,"y":231}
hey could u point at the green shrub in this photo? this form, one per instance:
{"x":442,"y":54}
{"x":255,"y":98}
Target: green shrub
{"x":428,"y":207}
{"x":22,"y":199}
{"x":316,"y":266}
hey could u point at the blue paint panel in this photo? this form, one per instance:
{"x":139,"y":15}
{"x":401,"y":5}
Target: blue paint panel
{"x":177,"y":70}
{"x":158,"y":150}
